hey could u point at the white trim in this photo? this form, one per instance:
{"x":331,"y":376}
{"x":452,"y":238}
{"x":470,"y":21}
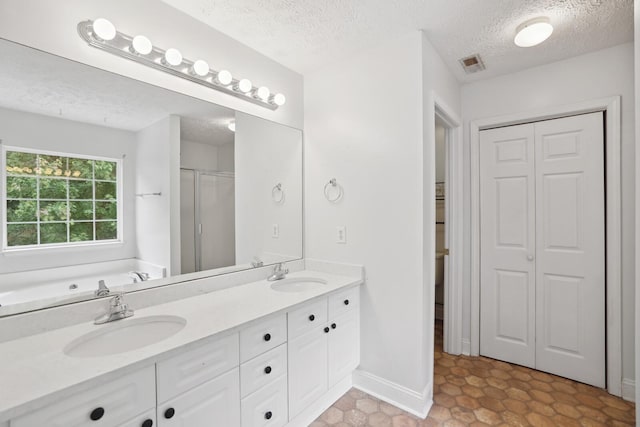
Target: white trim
{"x":629,"y":389}
{"x":313,"y":411}
{"x":611,"y":106}
{"x":416,"y":403}
{"x":454,"y":224}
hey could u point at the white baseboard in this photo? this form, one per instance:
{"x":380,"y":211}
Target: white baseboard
{"x":629,"y":389}
{"x":466,"y":347}
{"x":416,"y":403}
{"x":306,"y":417}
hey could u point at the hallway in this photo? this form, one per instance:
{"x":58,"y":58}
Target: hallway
{"x":477,"y":391}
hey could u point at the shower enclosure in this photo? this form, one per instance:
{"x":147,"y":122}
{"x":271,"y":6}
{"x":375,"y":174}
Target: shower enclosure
{"x":207,"y":219}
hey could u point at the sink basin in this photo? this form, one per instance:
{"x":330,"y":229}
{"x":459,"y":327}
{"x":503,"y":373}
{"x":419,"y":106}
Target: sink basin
{"x":125,"y":335}
{"x":298,"y":284}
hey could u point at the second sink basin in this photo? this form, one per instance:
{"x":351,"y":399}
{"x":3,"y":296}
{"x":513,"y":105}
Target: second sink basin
{"x":298,"y":284}
{"x":125,"y":335}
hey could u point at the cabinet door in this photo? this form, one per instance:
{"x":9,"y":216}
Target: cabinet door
{"x":266,"y":407}
{"x":147,"y":419}
{"x":106,"y":405}
{"x":262,"y":335}
{"x":344,"y":346}
{"x":307,"y":369}
{"x":214,"y":403}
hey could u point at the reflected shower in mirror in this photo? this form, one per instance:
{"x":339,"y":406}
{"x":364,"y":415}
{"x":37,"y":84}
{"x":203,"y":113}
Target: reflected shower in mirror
{"x":110,"y":184}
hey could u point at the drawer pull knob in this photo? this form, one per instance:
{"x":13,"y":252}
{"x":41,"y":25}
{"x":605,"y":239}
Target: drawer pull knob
{"x":268,"y":415}
{"x":333,"y":326}
{"x":147,"y":423}
{"x":96,"y":414}
{"x":326,"y":330}
{"x":267,"y":337}
{"x":346,"y":302}
{"x":267,"y":370}
{"x":169,"y":413}
{"x":312,"y":318}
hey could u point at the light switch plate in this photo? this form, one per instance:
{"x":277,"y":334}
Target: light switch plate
{"x":341,"y":234}
{"x":275,"y":231}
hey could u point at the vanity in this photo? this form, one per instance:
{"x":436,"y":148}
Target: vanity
{"x":260,"y":354}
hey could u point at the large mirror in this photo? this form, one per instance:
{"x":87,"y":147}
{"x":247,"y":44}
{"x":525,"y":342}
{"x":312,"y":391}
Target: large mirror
{"x":113,"y":185}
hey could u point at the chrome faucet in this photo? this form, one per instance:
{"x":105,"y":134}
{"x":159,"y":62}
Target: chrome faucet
{"x":118,"y":309}
{"x":257,"y":262}
{"x":102,"y":291}
{"x":278,"y":272}
{"x":138,"y":275}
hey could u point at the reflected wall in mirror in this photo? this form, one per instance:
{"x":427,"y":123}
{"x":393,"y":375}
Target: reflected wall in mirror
{"x":108,"y":182}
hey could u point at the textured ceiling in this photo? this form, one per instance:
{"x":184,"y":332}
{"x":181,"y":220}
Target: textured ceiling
{"x":41,"y":83}
{"x":308,"y":34}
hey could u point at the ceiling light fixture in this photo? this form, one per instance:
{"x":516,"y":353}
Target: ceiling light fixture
{"x":232,"y":126}
{"x":533,"y":32}
{"x":102,"y":34}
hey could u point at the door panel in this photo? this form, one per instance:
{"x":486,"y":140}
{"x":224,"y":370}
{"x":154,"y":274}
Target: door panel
{"x":507,"y":289}
{"x":187,"y":221}
{"x":570,"y":242}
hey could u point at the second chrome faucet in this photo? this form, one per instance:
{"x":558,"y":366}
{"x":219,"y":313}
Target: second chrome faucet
{"x":278,"y":273}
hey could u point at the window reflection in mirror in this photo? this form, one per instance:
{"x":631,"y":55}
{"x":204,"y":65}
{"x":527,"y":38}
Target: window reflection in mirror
{"x":105,"y":178}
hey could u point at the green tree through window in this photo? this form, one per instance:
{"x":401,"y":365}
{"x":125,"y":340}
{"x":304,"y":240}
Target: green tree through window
{"x":56,"y":199}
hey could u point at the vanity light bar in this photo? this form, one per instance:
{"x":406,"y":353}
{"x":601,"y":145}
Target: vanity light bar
{"x":101,"y":34}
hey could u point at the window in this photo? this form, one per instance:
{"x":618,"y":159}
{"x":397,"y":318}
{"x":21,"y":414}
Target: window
{"x":56,"y":199}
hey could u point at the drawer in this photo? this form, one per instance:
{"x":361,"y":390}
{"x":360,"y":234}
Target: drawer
{"x":263,"y":369}
{"x":343,"y":301}
{"x":115,"y":403}
{"x":266,"y":407}
{"x":262,"y":336}
{"x":148,"y":419}
{"x":305,"y":318}
{"x":196,"y":366}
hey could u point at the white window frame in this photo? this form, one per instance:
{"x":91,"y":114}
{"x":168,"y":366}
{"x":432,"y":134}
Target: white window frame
{"x":57,"y":246}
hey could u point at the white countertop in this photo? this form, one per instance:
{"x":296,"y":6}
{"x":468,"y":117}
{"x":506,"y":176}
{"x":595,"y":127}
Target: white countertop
{"x":34,"y":371}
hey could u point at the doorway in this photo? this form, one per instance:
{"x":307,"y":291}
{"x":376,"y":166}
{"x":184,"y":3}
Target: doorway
{"x":611,"y":109}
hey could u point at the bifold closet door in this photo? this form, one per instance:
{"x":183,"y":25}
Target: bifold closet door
{"x":187,"y":221}
{"x":542,"y":290}
{"x":570,"y":248}
{"x":507,"y":209}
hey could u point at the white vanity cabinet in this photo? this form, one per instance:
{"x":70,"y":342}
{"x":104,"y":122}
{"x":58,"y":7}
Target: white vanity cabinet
{"x":324,"y":346}
{"x":119,"y":402}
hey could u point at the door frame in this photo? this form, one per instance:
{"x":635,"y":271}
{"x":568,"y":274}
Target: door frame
{"x":454,"y":224}
{"x":613,"y":211}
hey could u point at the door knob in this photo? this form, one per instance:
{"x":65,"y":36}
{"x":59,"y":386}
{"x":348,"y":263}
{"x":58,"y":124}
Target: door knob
{"x":529,"y":257}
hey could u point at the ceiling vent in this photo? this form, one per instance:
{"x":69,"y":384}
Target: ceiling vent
{"x":472,"y":64}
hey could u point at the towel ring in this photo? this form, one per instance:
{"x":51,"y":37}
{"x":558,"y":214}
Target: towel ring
{"x":337,"y":189}
{"x":277,"y":193}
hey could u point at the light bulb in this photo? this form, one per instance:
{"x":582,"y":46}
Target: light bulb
{"x":141,"y":45}
{"x":104,"y":29}
{"x":279,"y":99}
{"x":533,"y":32}
{"x":244,"y":86}
{"x":172,"y":57}
{"x":232,"y":126}
{"x":224,"y":77}
{"x":263,"y":93}
{"x":200,"y":68}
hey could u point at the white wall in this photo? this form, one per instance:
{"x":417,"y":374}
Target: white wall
{"x":266,"y":154}
{"x":592,"y":76}
{"x":158,"y":217}
{"x":195,"y":155}
{"x":51,"y":26}
{"x":368,"y":131}
{"x":35,"y":131}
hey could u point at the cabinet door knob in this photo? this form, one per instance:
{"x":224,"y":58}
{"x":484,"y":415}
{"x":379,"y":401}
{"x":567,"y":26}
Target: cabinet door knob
{"x":169,"y":413}
{"x":312,"y":318}
{"x":326,"y":330}
{"x":147,"y":423}
{"x":346,"y":302}
{"x":333,"y":326}
{"x":267,"y":337}
{"x":268,"y":415}
{"x":96,"y":414}
{"x":267,"y":370}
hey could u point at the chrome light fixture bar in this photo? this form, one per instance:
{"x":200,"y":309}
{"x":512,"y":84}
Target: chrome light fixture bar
{"x":101,"y":34}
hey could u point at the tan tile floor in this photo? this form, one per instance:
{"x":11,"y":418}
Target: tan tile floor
{"x":477,"y":391}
